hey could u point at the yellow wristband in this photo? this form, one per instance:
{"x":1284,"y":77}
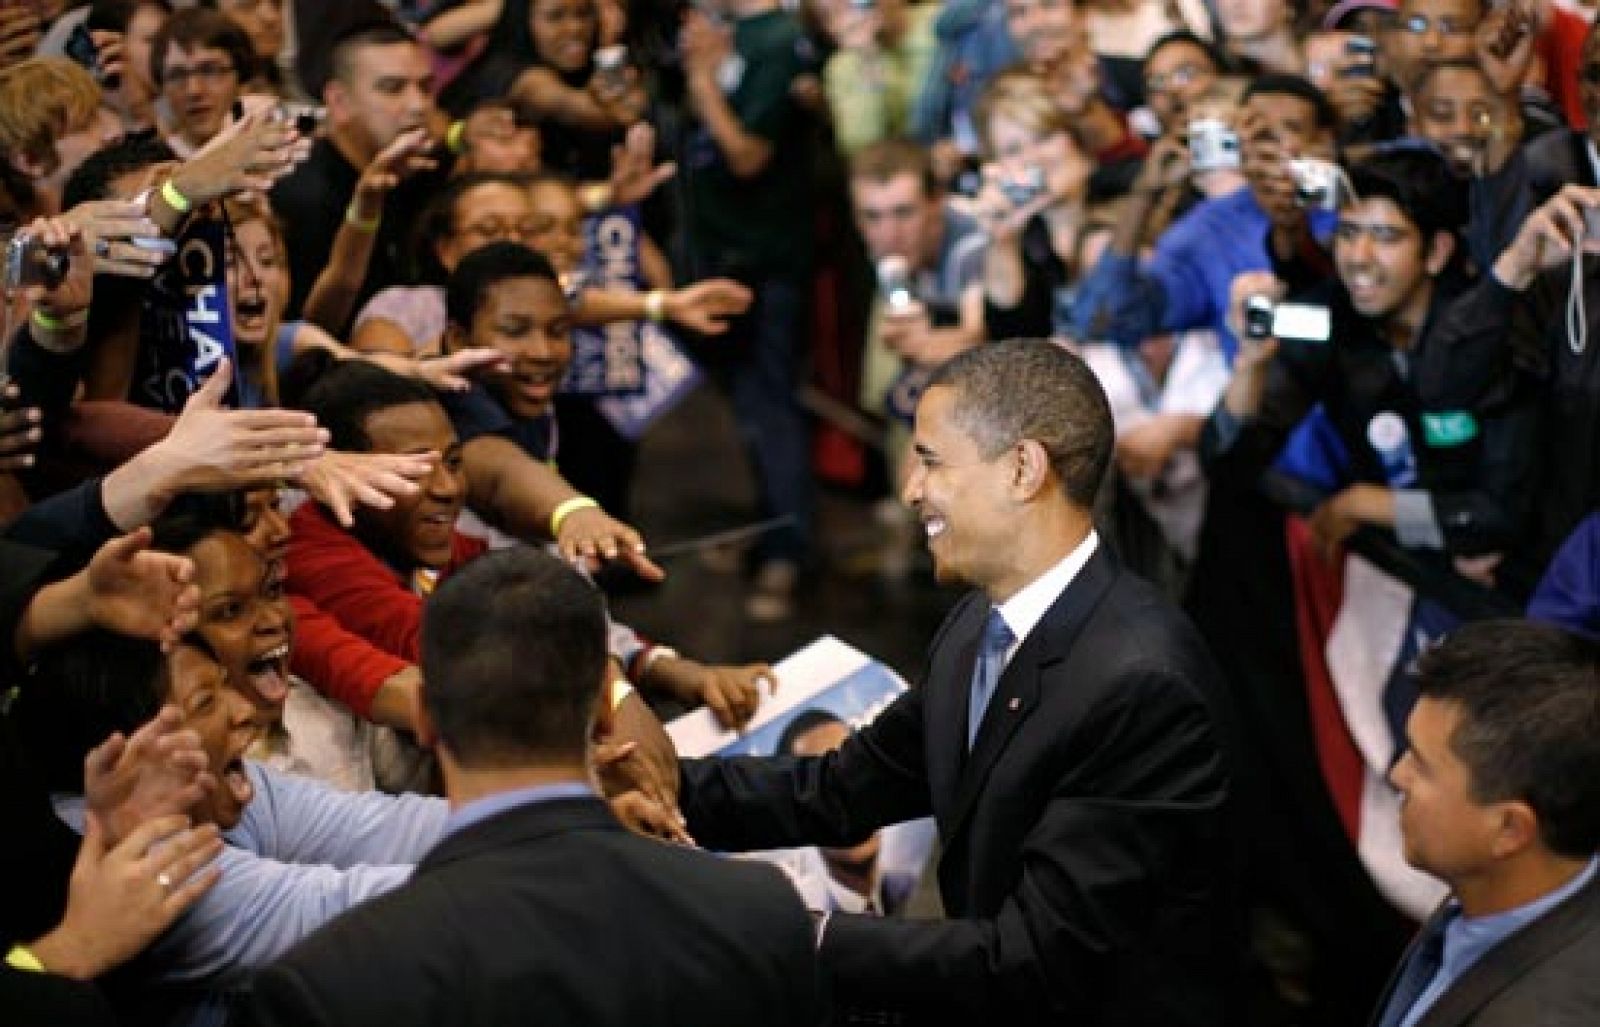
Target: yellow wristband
{"x":51,"y":323}
{"x":355,"y":221}
{"x":176,"y":200}
{"x":20,"y":958}
{"x":567,"y":509}
{"x":456,"y":137}
{"x":655,"y":305}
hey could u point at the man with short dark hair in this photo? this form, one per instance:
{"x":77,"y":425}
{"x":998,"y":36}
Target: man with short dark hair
{"x":537,"y":903}
{"x":381,"y":88}
{"x":928,"y":259}
{"x":1440,"y":438}
{"x":1069,"y":740}
{"x":1501,"y":801}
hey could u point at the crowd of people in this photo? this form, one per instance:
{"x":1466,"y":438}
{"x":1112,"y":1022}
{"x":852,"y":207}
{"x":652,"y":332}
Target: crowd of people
{"x":330,"y":333}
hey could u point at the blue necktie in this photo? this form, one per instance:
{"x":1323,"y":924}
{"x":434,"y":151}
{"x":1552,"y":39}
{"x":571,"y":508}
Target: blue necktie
{"x":997,"y":638}
{"x":1419,"y":971}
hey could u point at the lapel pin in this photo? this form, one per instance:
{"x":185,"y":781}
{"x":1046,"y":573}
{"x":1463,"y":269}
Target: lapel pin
{"x":1014,"y":705}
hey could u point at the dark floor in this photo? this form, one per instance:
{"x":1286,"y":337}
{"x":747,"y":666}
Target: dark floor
{"x":694,"y":480}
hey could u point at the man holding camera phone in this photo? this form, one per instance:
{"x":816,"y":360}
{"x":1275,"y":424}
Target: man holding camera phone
{"x":1440,"y":438}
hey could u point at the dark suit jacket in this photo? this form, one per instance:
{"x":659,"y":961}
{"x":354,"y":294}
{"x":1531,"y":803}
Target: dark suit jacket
{"x":552,"y":913}
{"x":1087,"y":866}
{"x":1542,"y":976}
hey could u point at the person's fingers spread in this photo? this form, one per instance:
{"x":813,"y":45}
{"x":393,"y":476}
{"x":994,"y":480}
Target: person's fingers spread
{"x":186,"y":894}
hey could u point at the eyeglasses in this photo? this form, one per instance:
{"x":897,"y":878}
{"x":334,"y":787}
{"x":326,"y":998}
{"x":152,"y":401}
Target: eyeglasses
{"x":500,"y":228}
{"x":204,"y":73}
{"x":1177,"y":78}
{"x":1418,"y":25}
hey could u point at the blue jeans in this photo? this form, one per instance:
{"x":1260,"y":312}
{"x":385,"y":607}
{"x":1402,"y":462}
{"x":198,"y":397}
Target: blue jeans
{"x":762,"y":373}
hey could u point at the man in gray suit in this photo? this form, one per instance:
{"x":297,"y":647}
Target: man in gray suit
{"x":1501,"y":793}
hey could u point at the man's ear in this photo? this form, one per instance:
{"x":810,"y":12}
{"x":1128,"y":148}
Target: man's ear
{"x":1440,"y":249}
{"x":1517,"y":831}
{"x":1031,"y":471}
{"x":336,"y":98}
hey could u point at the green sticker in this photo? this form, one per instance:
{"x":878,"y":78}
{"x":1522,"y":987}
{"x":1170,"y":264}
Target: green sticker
{"x":1452,"y":428}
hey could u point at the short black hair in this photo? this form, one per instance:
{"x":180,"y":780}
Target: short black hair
{"x":1279,"y":84}
{"x":342,"y":394}
{"x":804,"y":721}
{"x":438,"y":219}
{"x":1425,"y":76}
{"x":79,"y":693}
{"x":513,"y":658}
{"x":1173,"y":39}
{"x":1019,"y":389}
{"x":1418,"y":180}
{"x":377,"y":32}
{"x":92,"y":179}
{"x":485,"y":267}
{"x":1529,"y":696}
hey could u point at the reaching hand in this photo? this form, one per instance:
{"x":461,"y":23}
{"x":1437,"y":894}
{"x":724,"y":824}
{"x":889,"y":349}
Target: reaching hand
{"x":251,"y":154}
{"x":1505,"y":44}
{"x":122,"y":896}
{"x":645,"y":816}
{"x":1546,"y":239}
{"x":134,"y":591}
{"x":20,"y":431}
{"x":20,"y":33}
{"x":705,"y":306}
{"x":634,"y":172}
{"x":454,"y":371}
{"x":158,"y":771}
{"x":341,"y":481}
{"x":111,"y":226}
{"x":593,"y":537}
{"x":211,"y":448}
{"x":72,"y":295}
{"x":406,"y":155}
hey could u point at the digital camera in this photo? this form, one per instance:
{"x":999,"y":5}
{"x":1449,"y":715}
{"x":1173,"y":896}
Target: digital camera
{"x":1316,"y":183}
{"x":894,"y":283}
{"x":1212,"y":145}
{"x":1021,"y":190}
{"x":30,"y":262}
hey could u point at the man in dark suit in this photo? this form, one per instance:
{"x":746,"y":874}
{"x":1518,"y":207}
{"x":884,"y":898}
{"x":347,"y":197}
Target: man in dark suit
{"x":537,"y":906}
{"x":1067,"y":739}
{"x":1501,"y":788}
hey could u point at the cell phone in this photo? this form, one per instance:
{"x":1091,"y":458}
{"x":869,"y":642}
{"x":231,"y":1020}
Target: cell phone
{"x":30,"y":262}
{"x":1302,"y":322}
{"x":80,"y":47}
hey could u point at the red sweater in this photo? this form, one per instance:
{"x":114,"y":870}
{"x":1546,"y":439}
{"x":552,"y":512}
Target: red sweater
{"x":361,"y":623}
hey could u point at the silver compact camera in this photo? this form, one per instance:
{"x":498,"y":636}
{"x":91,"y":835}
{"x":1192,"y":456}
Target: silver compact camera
{"x":894,"y":283}
{"x":305,"y":117}
{"x":610,"y":63}
{"x":30,"y":262}
{"x":1213,"y":146}
{"x":1316,"y":183}
{"x":1021,"y":190}
{"x":1297,"y":322}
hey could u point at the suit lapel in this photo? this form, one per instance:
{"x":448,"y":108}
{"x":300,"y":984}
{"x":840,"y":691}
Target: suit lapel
{"x":945,"y":698}
{"x":1506,"y":963}
{"x":1016,"y":695}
